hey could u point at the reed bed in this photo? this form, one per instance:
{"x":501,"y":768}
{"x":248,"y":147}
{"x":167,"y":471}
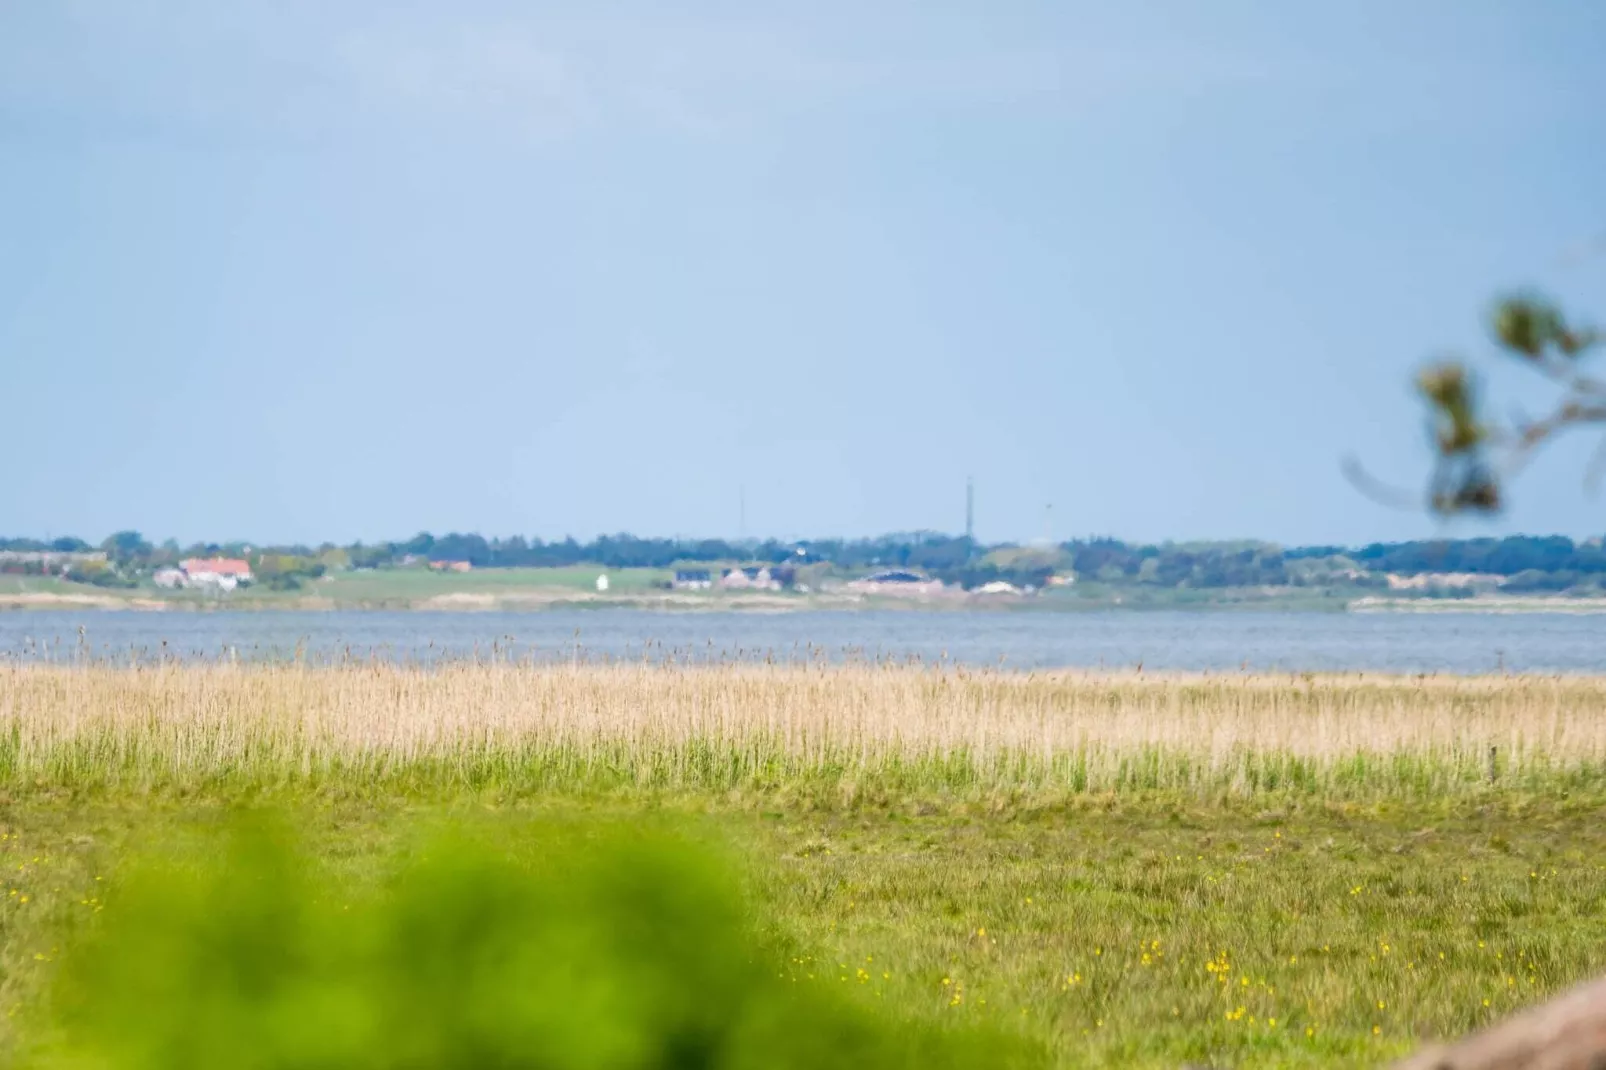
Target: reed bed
{"x":768,"y":728}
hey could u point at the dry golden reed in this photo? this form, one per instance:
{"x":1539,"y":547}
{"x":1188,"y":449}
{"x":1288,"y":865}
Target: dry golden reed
{"x":771,"y":727}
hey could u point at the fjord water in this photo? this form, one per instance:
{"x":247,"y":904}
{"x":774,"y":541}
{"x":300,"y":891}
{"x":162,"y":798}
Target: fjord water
{"x":1195,"y":641}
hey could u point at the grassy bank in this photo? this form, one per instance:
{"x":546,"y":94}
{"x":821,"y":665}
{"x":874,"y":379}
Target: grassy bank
{"x":1124,"y":871}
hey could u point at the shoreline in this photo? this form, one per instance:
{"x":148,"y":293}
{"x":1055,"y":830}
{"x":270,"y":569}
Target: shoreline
{"x":536,"y":601}
{"x":1491,"y":604}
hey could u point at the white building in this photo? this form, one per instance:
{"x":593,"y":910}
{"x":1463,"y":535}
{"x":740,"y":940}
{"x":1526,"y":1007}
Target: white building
{"x":216,"y":573}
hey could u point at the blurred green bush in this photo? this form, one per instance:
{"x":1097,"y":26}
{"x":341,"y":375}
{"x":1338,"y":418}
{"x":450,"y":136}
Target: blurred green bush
{"x":612,"y":951}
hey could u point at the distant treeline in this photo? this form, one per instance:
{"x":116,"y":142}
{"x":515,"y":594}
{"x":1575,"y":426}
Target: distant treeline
{"x":1524,"y":562}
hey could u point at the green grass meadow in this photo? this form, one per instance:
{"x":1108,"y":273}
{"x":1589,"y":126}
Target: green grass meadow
{"x":1141,"y":931}
{"x":384,"y":584}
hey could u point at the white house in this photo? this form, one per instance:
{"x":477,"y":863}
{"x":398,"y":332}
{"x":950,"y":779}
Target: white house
{"x":218,"y":573}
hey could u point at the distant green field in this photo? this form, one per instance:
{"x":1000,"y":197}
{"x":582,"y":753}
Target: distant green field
{"x":36,"y":585}
{"x":394,"y":586}
{"x":389,"y":588}
{"x":380,"y":584}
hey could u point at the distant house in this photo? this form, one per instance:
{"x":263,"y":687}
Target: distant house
{"x":451,"y":566}
{"x":756,"y":578}
{"x":219,"y":573}
{"x":692,"y":579}
{"x":748,"y":579}
{"x":168,"y":577}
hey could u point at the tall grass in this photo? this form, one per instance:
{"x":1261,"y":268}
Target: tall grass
{"x":772,"y":728}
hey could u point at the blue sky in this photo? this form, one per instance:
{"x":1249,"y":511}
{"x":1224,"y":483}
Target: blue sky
{"x":301,"y":270}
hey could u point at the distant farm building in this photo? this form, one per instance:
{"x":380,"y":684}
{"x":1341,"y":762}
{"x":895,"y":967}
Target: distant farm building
{"x":218,"y":573}
{"x":451,"y":566}
{"x":749,"y":579}
{"x":692,"y":579}
{"x":756,"y":578}
{"x":899,"y":582}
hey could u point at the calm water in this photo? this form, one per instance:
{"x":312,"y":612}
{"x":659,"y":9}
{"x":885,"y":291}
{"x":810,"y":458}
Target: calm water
{"x":1451,"y":642}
